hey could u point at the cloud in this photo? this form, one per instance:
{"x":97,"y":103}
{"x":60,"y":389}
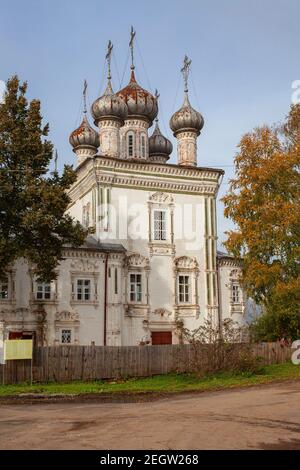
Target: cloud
{"x":2,"y":90}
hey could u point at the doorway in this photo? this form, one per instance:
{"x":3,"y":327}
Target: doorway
{"x":161,"y":337}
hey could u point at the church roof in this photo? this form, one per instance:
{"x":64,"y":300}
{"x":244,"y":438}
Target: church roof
{"x":139,"y":102}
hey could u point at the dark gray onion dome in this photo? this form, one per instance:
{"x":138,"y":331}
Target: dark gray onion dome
{"x":159,"y":145}
{"x":186,"y":118}
{"x":140,"y":103}
{"x":84,"y":136}
{"x":108,"y":106}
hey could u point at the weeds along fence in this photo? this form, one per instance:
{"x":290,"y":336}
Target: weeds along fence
{"x":87,"y":363}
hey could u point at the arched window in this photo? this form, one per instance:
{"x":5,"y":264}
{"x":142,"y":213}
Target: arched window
{"x":130,"y":144}
{"x":143,"y":146}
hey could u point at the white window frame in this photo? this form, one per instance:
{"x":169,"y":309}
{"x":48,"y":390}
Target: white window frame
{"x":160,"y":234}
{"x":184,"y":294}
{"x":130,"y":146}
{"x":83,"y":288}
{"x":135,"y":287}
{"x":43,"y":291}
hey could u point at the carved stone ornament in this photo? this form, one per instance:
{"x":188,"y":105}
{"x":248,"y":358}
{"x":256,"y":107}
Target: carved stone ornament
{"x":185,"y":262}
{"x":235,"y":275}
{"x":161,"y":198}
{"x":84,"y":265}
{"x":137,"y":261}
{"x":66,"y":316}
{"x":162,"y":312}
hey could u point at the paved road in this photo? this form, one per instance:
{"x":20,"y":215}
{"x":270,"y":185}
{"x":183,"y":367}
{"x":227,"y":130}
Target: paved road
{"x":259,"y":418}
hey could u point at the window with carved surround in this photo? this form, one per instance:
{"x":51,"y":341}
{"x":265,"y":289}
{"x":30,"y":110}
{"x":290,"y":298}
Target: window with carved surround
{"x":137,"y":279}
{"x":237,"y":301}
{"x":186,"y":272}
{"x":84,"y":278}
{"x":66,"y":325}
{"x":161,"y":222}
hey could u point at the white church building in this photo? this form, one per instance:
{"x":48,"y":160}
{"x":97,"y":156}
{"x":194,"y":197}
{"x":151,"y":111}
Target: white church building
{"x":152,"y":257}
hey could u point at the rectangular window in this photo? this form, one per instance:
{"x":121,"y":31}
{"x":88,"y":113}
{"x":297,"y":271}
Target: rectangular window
{"x":130,"y":145}
{"x":116,"y":280}
{"x":66,"y":336}
{"x":235,"y":294}
{"x":43,"y":291}
{"x":83,"y":289}
{"x":160,"y":225}
{"x":4,"y":289}
{"x":135,"y":287}
{"x":184,"y":289}
{"x":143,"y":146}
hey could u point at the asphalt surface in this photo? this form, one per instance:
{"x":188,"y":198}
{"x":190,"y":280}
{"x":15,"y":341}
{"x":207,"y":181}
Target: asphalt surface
{"x":266,"y":417}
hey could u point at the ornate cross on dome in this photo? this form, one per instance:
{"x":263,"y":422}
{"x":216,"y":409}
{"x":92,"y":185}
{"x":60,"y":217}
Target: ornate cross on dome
{"x":84,"y":96}
{"x":157,"y":95}
{"x":108,"y":57}
{"x":185,"y":72}
{"x":132,"y":35}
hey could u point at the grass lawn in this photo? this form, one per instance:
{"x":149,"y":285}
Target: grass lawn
{"x":161,"y":383}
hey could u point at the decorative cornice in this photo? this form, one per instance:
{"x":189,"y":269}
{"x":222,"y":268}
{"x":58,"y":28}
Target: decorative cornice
{"x":146,"y":176}
{"x":198,"y":173}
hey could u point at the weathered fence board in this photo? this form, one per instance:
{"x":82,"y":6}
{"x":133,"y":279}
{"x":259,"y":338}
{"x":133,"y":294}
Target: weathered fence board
{"x":68,"y":363}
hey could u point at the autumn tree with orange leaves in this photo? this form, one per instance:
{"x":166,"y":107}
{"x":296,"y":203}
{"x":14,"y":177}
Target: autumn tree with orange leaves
{"x":263,"y":201}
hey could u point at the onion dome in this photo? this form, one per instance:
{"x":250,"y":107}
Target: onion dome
{"x":108,"y":106}
{"x":186,"y":118}
{"x":140,"y":103}
{"x":84,"y":136}
{"x":159,"y":145}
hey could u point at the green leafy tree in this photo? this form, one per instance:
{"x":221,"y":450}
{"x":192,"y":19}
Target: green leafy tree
{"x":263,"y":201}
{"x":33,"y":202}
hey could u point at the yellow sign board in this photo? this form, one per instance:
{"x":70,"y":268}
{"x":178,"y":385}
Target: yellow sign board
{"x":18,"y":349}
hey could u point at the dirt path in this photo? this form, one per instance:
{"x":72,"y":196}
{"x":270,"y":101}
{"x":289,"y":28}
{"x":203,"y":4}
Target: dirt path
{"x":265,"y":417}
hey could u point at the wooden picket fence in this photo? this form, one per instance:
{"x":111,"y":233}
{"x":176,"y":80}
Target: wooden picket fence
{"x":87,"y":363}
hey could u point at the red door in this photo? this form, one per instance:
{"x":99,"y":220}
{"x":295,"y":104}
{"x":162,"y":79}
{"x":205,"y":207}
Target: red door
{"x":15,"y":335}
{"x":161,"y":337}
{"x":22,"y":335}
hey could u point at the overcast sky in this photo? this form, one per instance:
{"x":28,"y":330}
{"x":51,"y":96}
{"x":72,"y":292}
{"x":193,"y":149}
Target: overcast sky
{"x":245,"y":56}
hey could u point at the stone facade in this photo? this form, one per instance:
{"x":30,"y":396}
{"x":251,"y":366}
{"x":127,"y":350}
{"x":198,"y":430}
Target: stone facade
{"x":153,"y":257}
